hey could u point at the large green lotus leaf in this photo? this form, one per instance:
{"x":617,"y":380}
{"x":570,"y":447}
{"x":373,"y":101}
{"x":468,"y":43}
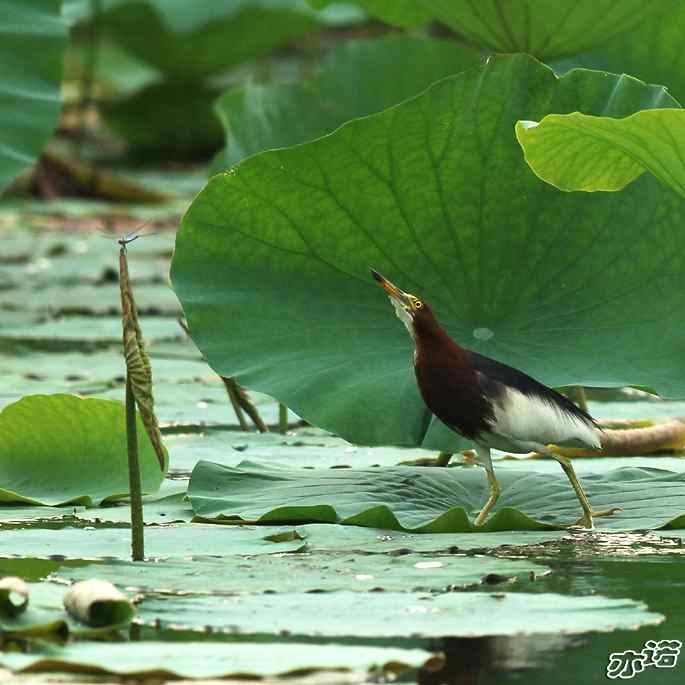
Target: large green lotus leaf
{"x":240,"y":660}
{"x":304,"y":573}
{"x":271,"y":262}
{"x":652,"y":51}
{"x":56,"y":449}
{"x":32,"y":41}
{"x":190,"y":41}
{"x":580,"y":152}
{"x":396,"y":614}
{"x":539,"y":27}
{"x":433,"y":500}
{"x":357,"y":78}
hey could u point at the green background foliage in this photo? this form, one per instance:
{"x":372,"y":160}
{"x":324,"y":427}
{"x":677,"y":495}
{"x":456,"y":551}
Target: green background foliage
{"x":258,"y":118}
{"x":32,"y":42}
{"x":652,"y":51}
{"x":190,"y":41}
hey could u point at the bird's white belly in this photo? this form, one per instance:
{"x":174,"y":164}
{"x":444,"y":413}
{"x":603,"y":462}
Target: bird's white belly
{"x":523,"y":423}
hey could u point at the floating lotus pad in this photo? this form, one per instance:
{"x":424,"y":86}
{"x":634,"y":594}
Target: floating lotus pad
{"x":181,"y":540}
{"x":305,"y":572}
{"x":321,"y":452}
{"x":196,"y":539}
{"x":435,"y":500}
{"x":56,"y":449}
{"x":212,"y":660}
{"x":395,"y":614}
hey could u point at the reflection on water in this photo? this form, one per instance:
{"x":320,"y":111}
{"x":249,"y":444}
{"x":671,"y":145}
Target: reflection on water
{"x":641,"y":566}
{"x":484,"y":660}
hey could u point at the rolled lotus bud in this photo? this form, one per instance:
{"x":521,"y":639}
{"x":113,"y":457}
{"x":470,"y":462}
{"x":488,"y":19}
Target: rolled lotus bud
{"x":14,"y":596}
{"x":98,"y":603}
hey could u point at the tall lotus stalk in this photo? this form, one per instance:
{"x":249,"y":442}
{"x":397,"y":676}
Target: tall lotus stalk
{"x":138,"y":393}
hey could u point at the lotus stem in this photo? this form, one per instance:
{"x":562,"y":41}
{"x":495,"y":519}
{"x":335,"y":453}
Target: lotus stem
{"x":581,"y":398}
{"x":233,"y":395}
{"x":665,"y":436}
{"x":137,"y":540}
{"x":443,"y":459}
{"x":282,"y":418}
{"x":251,"y":410}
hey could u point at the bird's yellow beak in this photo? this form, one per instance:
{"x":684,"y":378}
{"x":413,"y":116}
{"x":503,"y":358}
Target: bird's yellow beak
{"x":393,"y":291}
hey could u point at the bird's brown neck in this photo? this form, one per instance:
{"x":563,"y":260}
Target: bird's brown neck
{"x":447,"y":379}
{"x":433,"y":343}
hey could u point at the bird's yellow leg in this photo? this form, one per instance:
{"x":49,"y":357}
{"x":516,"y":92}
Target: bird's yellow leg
{"x":494,"y":496}
{"x":588,"y":514}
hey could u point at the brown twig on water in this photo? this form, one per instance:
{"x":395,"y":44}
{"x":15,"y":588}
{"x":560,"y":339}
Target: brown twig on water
{"x":232,"y":390}
{"x":250,"y":409}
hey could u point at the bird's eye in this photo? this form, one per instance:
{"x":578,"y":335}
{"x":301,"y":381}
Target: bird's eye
{"x":418,"y":304}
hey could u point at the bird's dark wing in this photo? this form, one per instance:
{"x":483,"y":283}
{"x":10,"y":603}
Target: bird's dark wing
{"x":507,"y":375}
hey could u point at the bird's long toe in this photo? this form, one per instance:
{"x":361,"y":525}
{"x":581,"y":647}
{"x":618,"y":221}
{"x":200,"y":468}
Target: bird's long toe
{"x":587,"y":520}
{"x":606,"y":512}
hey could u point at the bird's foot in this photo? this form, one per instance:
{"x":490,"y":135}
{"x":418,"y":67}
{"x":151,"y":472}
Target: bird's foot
{"x":586,"y":521}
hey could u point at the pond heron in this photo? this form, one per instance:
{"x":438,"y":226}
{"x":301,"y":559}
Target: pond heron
{"x":490,"y":403}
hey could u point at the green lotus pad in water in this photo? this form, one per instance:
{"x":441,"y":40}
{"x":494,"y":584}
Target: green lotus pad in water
{"x":305,"y":572}
{"x":212,"y":660}
{"x":196,"y":539}
{"x":160,"y":541}
{"x":435,"y":500}
{"x":400,"y":614}
{"x":58,"y":449}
